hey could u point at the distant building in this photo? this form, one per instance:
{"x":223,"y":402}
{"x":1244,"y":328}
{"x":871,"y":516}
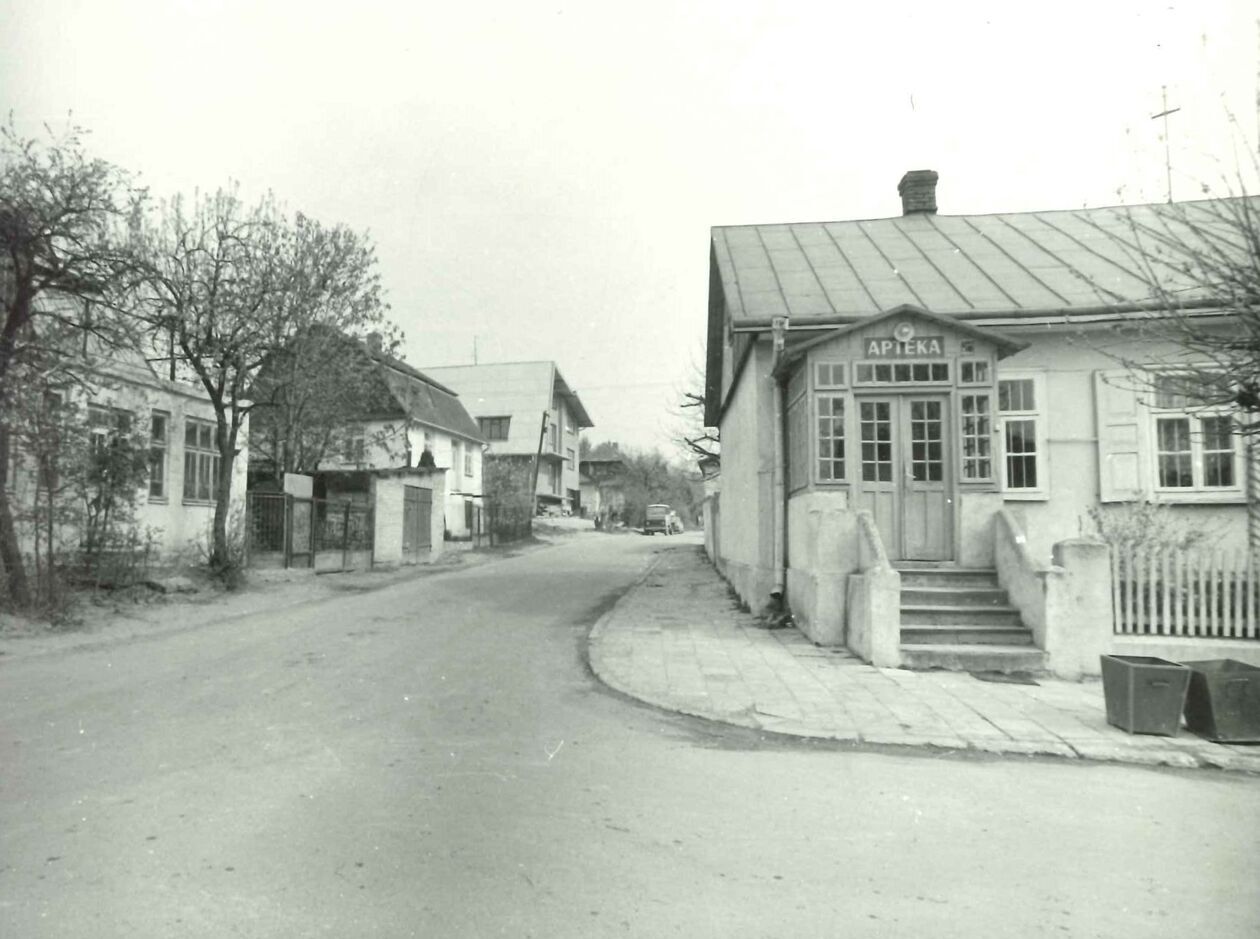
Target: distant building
{"x":526,"y":410}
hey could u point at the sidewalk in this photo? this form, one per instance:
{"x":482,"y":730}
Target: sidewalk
{"x":677,"y":640}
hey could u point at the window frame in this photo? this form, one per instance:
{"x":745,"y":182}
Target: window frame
{"x":816,"y":438}
{"x":894,"y":382}
{"x":1194,"y":415}
{"x":1040,"y":417}
{"x":486,"y":424}
{"x":201,"y":456}
{"x":985,"y":393}
{"x":159,"y":451}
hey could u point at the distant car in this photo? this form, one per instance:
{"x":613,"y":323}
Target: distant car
{"x":674,"y":525}
{"x":656,"y":518}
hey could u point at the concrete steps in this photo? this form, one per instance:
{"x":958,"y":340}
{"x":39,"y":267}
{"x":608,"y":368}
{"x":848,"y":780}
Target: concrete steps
{"x":962,"y":620}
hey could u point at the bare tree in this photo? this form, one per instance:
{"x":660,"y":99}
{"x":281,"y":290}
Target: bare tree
{"x":320,"y":377}
{"x":1199,"y":331}
{"x":694,"y":440}
{"x":63,"y":215}
{"x":233,"y":286}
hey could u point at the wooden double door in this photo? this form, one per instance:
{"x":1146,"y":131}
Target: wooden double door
{"x":905,"y":473}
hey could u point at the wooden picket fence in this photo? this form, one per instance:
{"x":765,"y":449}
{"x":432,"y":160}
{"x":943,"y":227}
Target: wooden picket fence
{"x":1213,"y":594}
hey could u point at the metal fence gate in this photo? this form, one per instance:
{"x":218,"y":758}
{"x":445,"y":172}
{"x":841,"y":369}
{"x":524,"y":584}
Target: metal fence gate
{"x":289,"y":531}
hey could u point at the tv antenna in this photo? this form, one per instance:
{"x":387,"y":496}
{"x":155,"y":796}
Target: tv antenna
{"x":1163,"y":94}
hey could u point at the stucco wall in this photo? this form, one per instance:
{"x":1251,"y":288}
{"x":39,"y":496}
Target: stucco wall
{"x":822,"y":553}
{"x":387,"y":495}
{"x":746,"y":519}
{"x":1068,"y":361}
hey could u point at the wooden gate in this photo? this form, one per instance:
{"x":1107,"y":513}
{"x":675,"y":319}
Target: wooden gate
{"x":417,"y":515}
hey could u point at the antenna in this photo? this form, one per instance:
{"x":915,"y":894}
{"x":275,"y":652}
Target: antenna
{"x":1163,"y":94}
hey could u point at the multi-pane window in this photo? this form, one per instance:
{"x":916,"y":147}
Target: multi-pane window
{"x":875,"y":430}
{"x":201,"y":461}
{"x":455,"y":455}
{"x":494,"y":428}
{"x":901,"y":373}
{"x":830,"y":437}
{"x":829,"y":375}
{"x":977,"y":439}
{"x":353,"y":445}
{"x":974,"y":372}
{"x":1195,"y":452}
{"x":1019,"y":406}
{"x":927,"y":460}
{"x":159,"y":427}
{"x":570,"y":458}
{"x":553,"y":435}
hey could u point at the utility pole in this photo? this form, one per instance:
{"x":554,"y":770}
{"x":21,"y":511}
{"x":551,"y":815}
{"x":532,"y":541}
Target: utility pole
{"x":474,"y":350}
{"x":1163,"y":93}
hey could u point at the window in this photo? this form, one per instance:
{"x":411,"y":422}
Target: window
{"x":901,"y":373}
{"x":1020,"y":402}
{"x":201,"y":461}
{"x":829,"y":375}
{"x":1194,"y":449}
{"x":353,"y":445}
{"x":974,"y":372}
{"x":455,"y":455}
{"x":977,"y":437}
{"x":830,"y":438}
{"x":494,"y":428}
{"x":159,"y":424}
{"x":875,"y":428}
{"x":569,"y":456}
{"x":468,"y":460}
{"x":553,"y":435}
{"x":106,"y":424}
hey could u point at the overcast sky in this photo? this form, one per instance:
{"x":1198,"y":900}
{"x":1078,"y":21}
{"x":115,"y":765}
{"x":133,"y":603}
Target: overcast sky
{"x":541,"y":177}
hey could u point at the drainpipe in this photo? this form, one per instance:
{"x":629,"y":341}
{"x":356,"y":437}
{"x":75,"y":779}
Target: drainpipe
{"x":779,"y":328}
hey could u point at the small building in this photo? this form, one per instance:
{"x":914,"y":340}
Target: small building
{"x":119,"y":392}
{"x":526,"y":411}
{"x":406,"y":415}
{"x":945,"y":392}
{"x":603,"y":489}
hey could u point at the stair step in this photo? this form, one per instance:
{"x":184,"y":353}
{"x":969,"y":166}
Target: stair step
{"x":968,"y":634}
{"x":948,"y":577}
{"x":954,"y":596}
{"x":912,"y":615}
{"x":974,"y":658}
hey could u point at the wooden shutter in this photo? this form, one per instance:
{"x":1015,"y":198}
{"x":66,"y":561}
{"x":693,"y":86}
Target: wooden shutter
{"x":1122,"y":447}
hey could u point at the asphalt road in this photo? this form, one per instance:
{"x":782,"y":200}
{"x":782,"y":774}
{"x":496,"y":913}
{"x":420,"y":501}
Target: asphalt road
{"x":435,"y":759}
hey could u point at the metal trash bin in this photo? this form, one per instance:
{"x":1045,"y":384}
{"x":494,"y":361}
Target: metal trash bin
{"x":1144,"y":694}
{"x":1223,"y":703}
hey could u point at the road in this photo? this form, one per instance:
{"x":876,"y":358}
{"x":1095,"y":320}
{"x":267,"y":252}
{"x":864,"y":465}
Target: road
{"x":435,"y":759}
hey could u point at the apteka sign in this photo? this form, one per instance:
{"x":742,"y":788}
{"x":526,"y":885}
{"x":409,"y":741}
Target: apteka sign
{"x":920,"y":346}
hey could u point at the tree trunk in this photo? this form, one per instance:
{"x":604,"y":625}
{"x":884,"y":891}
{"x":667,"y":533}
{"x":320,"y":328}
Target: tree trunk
{"x":14,"y":569}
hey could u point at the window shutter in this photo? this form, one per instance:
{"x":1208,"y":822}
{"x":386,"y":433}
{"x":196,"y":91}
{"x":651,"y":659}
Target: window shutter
{"x":1121,"y":437}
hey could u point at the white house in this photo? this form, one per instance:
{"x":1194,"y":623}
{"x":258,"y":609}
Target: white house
{"x":527,"y":410}
{"x":907,"y":400}
{"x":412,"y":413}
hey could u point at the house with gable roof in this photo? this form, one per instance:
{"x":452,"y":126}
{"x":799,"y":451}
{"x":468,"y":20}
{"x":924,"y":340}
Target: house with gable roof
{"x":410,"y":413}
{"x":526,"y":411}
{"x":921,"y":415}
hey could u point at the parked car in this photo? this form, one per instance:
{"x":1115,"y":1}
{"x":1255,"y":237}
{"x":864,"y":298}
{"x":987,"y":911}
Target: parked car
{"x":656,"y":518}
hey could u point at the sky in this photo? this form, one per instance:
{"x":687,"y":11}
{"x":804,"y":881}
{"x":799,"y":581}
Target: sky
{"x":540,"y":179}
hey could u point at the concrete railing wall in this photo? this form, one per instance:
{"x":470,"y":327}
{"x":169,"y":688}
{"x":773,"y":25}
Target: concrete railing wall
{"x":874,"y":600}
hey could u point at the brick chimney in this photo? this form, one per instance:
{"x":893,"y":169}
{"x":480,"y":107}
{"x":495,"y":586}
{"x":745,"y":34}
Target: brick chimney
{"x":374,"y":343}
{"x":918,"y":192}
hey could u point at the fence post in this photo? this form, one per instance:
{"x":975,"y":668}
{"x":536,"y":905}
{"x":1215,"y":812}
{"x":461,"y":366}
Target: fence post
{"x":288,"y":530}
{"x":345,"y":536}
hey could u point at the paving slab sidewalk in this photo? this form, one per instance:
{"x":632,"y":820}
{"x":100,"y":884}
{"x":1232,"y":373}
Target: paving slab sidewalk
{"x":678,"y":640}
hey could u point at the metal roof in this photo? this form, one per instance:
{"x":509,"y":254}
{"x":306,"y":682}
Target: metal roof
{"x":969,"y":266}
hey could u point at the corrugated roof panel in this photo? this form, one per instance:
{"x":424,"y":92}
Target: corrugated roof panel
{"x":776,"y":238}
{"x":765,"y":303}
{"x":957,"y":264}
{"x":794,"y":260}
